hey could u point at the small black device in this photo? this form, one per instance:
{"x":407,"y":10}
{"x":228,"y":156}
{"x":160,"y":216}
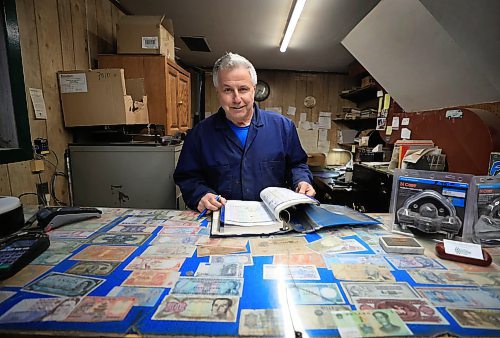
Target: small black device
{"x":53,"y":217}
{"x":41,"y":146}
{"x":19,"y":249}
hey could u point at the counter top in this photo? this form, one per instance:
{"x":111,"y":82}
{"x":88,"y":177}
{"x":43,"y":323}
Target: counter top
{"x":156,"y":272}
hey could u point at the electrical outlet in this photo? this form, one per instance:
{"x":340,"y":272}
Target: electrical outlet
{"x":42,"y":189}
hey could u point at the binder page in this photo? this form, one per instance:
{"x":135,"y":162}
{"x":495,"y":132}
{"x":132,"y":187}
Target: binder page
{"x":247,"y":213}
{"x":278,"y":199}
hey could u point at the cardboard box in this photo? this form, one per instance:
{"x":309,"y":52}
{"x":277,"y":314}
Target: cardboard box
{"x":137,"y":34}
{"x":100,"y":97}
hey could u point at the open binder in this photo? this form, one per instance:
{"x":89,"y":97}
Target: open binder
{"x":281,"y":211}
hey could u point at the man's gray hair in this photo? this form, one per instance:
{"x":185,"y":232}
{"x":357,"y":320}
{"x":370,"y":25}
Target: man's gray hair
{"x":232,"y":61}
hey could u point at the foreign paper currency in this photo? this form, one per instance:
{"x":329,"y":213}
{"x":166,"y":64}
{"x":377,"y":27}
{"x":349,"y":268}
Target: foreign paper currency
{"x":101,"y":309}
{"x":169,"y":239}
{"x":26,"y":275}
{"x":170,"y":250}
{"x":189,"y":231}
{"x":104,"y":253}
{"x":198,"y":308}
{"x":334,"y":244}
{"x":234,"y":270}
{"x":93,"y":268}
{"x":152,"y":278}
{"x":243,"y":259}
{"x":203,"y":251}
{"x":265,"y":322}
{"x":278,"y":246}
{"x":291,"y":272}
{"x":226,"y":242}
{"x":317,"y":317}
{"x":460,"y":297}
{"x":476,"y":318}
{"x":155,"y":263}
{"x":376,"y":323}
{"x":65,"y":285}
{"x":59,"y":234}
{"x":188,"y":215}
{"x":120,"y":239}
{"x":209,"y":286}
{"x":469,"y":267}
{"x":325,"y":244}
{"x":149,"y":212}
{"x":300,"y":259}
{"x":449,"y":277}
{"x":401,"y":290}
{"x":89,"y":225}
{"x":339,"y":232}
{"x":493,"y":292}
{"x":414,"y":262}
{"x":142,"y":220}
{"x":180,"y":223}
{"x":65,"y":245}
{"x":362,"y":273}
{"x":143,"y":296}
{"x":50,"y":258}
{"x":412,"y":311}
{"x":314,"y":293}
{"x":356,"y":259}
{"x":132,"y":229}
{"x":40,"y":309}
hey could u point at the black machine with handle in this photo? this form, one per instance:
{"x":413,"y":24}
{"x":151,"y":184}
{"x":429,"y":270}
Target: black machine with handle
{"x":54,"y":217}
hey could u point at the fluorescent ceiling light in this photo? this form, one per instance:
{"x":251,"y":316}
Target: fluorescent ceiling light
{"x":297,"y":10}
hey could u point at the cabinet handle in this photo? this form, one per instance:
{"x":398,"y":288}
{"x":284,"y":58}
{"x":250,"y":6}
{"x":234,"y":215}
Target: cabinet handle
{"x":180,"y":102}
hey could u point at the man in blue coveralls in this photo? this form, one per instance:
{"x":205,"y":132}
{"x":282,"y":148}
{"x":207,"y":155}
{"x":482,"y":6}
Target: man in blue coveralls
{"x":241,"y":149}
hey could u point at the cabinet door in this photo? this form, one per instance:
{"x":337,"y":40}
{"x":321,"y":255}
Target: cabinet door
{"x":183,"y":102}
{"x":172,"y":99}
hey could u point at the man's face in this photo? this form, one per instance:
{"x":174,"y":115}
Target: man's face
{"x":236,"y":93}
{"x":220,"y":307}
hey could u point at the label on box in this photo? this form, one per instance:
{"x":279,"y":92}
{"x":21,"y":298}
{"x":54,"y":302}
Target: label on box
{"x":150,"y":42}
{"x":73,"y":83}
{"x":463,"y":249}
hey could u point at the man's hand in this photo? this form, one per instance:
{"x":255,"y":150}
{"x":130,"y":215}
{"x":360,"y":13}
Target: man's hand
{"x":305,"y":188}
{"x":209,"y":202}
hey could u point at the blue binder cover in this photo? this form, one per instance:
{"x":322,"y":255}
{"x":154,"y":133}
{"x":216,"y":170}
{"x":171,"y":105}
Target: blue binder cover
{"x":310,"y":218}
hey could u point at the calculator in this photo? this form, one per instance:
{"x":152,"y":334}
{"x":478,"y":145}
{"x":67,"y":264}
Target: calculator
{"x":19,"y":249}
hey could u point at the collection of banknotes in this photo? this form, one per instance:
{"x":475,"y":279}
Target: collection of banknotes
{"x":322,"y":281}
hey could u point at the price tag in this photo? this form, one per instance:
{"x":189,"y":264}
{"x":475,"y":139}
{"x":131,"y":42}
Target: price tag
{"x":463,"y":249}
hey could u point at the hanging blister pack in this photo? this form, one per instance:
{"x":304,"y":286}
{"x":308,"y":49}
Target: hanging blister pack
{"x":483,"y":211}
{"x":429,"y":203}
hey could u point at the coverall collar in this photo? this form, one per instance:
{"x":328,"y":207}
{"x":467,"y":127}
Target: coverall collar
{"x":221,"y":121}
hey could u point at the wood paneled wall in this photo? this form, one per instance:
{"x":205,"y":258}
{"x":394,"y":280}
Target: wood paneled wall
{"x":289,"y":88}
{"x":56,"y":35}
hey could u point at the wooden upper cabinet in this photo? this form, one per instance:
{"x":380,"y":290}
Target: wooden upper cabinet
{"x":184,"y":101}
{"x":167,"y":85}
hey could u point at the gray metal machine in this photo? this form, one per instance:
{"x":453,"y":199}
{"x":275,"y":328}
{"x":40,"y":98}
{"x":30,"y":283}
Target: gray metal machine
{"x":124,"y":175}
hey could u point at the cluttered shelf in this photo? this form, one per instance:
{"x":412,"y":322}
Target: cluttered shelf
{"x":361,"y":94}
{"x":354,"y":119}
